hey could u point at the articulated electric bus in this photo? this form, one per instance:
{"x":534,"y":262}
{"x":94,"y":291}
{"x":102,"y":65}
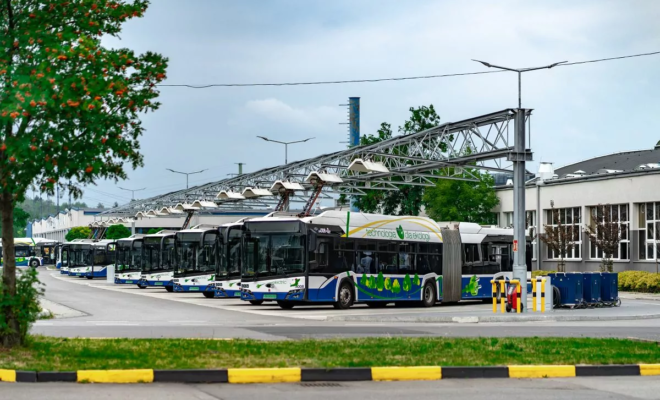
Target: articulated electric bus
{"x":197,"y":254}
{"x":128,"y":264}
{"x":158,"y":260}
{"x":341,"y":258}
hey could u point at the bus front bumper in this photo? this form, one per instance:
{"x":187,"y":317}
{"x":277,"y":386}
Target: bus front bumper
{"x":292,"y":295}
{"x":192,"y":288}
{"x":155,"y":283}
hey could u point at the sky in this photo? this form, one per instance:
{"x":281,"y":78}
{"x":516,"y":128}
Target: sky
{"x":580,"y":111}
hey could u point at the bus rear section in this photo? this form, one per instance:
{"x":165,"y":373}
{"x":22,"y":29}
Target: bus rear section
{"x":104,"y":255}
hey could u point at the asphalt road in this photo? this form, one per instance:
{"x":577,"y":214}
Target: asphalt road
{"x":107,"y":310}
{"x":611,"y":388}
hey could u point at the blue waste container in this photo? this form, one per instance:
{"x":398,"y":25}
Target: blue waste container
{"x":592,"y":287}
{"x":570,"y":288}
{"x":609,"y":288}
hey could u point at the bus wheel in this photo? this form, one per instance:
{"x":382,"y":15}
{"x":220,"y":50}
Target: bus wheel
{"x":285,"y":305}
{"x":141,"y":286}
{"x":89,"y":277}
{"x":34,"y":263}
{"x":209,"y":295}
{"x":428,"y":295}
{"x":376,"y":304}
{"x":345,"y":296}
{"x":169,"y":288}
{"x":257,"y":302}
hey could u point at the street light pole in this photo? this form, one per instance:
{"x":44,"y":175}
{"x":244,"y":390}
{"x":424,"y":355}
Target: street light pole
{"x":132,"y":192}
{"x":286,"y":145}
{"x":518,"y":157}
{"x":186,"y":174}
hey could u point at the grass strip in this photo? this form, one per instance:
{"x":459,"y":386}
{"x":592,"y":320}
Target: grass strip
{"x":63,"y":354}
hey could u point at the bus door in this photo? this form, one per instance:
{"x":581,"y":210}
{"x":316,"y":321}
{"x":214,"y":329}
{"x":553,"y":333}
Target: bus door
{"x":501,"y":254}
{"x":452,"y":265}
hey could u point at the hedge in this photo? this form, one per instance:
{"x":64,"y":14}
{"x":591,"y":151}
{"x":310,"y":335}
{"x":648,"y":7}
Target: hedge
{"x":639,"y":281}
{"x":630,"y":281}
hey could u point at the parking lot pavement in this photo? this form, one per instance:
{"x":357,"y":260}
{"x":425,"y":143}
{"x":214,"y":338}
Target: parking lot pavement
{"x":110,"y":310}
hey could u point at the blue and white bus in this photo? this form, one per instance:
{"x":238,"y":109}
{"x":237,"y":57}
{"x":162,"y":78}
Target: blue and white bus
{"x":158,"y":260}
{"x":340,"y":258}
{"x":128,"y":260}
{"x":81,"y":255}
{"x":103,"y":255}
{"x":27,"y":251}
{"x":197,"y":257}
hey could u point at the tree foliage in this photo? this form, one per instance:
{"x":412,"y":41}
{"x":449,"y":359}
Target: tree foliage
{"x":78,"y":232}
{"x":153,"y":231}
{"x":117,"y":232}
{"x":605,"y":233}
{"x":559,"y":238}
{"x":455,"y":200}
{"x":40,"y":207}
{"x":20,"y":222}
{"x":69,"y":107}
{"x":25,"y":305}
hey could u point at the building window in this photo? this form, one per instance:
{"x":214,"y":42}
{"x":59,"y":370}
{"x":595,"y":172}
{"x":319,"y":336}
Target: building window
{"x":530,"y":219}
{"x":618,"y":212}
{"x":649,"y":236}
{"x":571,"y":216}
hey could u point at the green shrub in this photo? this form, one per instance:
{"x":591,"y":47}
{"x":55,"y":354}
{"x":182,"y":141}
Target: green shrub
{"x":24,"y":305}
{"x":542,"y":273}
{"x":639,"y":281}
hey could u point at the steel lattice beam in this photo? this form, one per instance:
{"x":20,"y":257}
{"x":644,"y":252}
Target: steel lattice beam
{"x":477,"y":143}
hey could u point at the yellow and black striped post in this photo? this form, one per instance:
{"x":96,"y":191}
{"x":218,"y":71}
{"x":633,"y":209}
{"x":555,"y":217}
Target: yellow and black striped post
{"x":542,"y":295}
{"x":534,"y":294}
{"x":497,"y":289}
{"x":536,"y":282}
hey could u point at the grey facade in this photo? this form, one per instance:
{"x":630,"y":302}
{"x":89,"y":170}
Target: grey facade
{"x":629,"y":182}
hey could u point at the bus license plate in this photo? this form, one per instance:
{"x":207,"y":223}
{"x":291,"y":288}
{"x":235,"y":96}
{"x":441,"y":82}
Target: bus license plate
{"x":270,"y":296}
{"x":194,"y":288}
{"x":158,"y":284}
{"x":237,"y":294}
{"x":129,"y":281}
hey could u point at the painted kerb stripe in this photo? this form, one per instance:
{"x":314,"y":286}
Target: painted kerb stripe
{"x":26,"y":376}
{"x":607,"y":370}
{"x":117,"y":376}
{"x":649,"y":369}
{"x":335,"y":374}
{"x":263,"y":375}
{"x":406,"y":373}
{"x":57,"y":376}
{"x":474,"y":372}
{"x":541,"y":371}
{"x":192,"y":376}
{"x":7,"y":375}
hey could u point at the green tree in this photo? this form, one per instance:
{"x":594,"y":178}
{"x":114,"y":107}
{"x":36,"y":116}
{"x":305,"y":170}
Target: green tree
{"x":153,"y":231}
{"x":364,"y":280}
{"x":416,"y":280}
{"x":70,"y":108}
{"x":117,"y":232}
{"x":20,"y":222}
{"x":408,"y":199}
{"x":454,"y":200}
{"x":388,"y":284}
{"x":78,"y":232}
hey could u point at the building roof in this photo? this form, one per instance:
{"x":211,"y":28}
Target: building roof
{"x":625,"y":161}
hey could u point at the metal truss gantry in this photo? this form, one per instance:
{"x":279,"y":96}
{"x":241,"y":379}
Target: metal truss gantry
{"x":449,"y":151}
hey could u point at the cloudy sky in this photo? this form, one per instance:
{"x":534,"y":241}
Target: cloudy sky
{"x":580,"y":111}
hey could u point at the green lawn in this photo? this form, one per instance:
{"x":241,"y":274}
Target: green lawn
{"x":56,"y":354}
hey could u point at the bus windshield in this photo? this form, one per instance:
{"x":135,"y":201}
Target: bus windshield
{"x":187,"y":247}
{"x":151,"y":260}
{"x":128,"y":255}
{"x":273,"y":254}
{"x":80,"y":256}
{"x":104,"y":255}
{"x":232,"y":265}
{"x":207,"y":257}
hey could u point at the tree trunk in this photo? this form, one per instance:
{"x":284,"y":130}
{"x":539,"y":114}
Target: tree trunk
{"x":13,"y":337}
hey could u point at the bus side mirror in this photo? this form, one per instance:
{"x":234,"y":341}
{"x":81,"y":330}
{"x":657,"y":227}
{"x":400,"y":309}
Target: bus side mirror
{"x":311,"y":241}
